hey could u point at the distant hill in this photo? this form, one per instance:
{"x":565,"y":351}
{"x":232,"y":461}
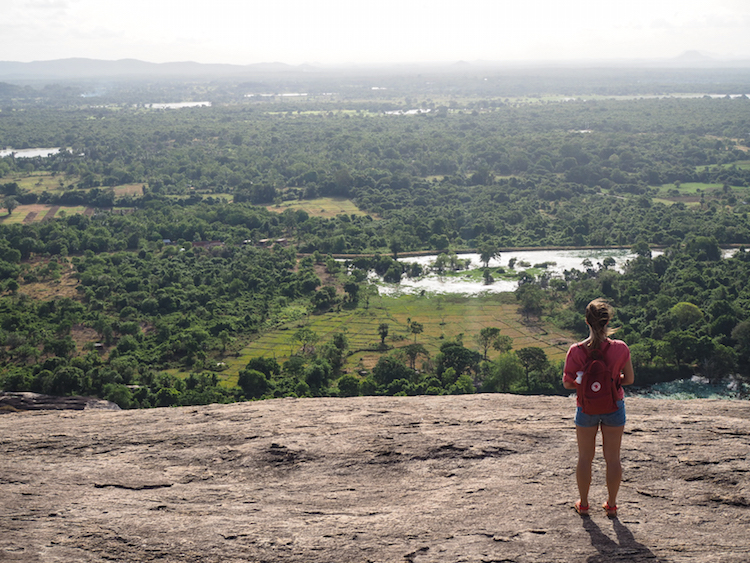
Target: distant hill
{"x":84,"y":68}
{"x":128,"y":68}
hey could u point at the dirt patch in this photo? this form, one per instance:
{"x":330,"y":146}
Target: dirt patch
{"x":328,"y":279}
{"x":83,"y":335}
{"x":30,"y":217}
{"x":51,"y":213}
{"x":66,"y":286}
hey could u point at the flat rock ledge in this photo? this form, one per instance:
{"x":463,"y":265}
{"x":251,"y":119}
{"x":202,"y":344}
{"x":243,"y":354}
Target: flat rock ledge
{"x":11,"y":402}
{"x":478,"y":478}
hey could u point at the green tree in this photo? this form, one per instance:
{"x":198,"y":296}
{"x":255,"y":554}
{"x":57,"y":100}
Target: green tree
{"x":268,"y":366}
{"x":334,"y":351}
{"x":253,"y":383}
{"x":413,"y":351}
{"x":533,"y":359}
{"x":317,"y":374}
{"x":383,"y":333}
{"x":225,"y":338}
{"x":463,"y":386}
{"x":487,"y":252}
{"x":307,"y":338}
{"x":389,"y":369}
{"x":67,"y":380}
{"x":485,"y":338}
{"x":683,"y":345}
{"x":503,"y":343}
{"x":119,"y":394}
{"x":416,"y":328}
{"x":10,"y":203}
{"x":453,"y":354}
{"x":530,"y":297}
{"x":703,"y":248}
{"x":396,"y":246}
{"x":349,"y":386}
{"x":502,"y":373}
{"x":721,"y":363}
{"x":685,"y":314}
{"x":491,"y":337}
{"x":641,"y":248}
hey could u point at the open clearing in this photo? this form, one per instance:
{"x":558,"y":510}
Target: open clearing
{"x":38,"y":182}
{"x":443,"y":318}
{"x":321,"y":207}
{"x":129,"y":189}
{"x":38,"y":212}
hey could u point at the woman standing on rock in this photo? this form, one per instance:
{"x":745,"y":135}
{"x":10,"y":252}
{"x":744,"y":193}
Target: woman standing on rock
{"x":597,"y":368}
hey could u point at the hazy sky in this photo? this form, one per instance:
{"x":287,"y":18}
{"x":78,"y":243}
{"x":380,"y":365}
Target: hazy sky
{"x":367,"y":31}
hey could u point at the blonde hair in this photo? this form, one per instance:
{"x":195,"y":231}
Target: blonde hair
{"x":598,"y":315}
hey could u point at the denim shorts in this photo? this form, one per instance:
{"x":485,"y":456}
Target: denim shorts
{"x":616,"y":418}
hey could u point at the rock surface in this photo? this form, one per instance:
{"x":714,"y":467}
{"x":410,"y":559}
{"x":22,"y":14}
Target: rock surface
{"x":482,"y":478}
{"x":23,"y":401}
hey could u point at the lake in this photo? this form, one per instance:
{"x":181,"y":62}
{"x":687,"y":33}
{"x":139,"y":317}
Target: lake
{"x":29,"y":153}
{"x":464,"y":284}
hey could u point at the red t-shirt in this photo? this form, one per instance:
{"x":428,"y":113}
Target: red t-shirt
{"x":616,"y":356}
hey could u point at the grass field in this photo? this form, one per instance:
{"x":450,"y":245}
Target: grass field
{"x":128,"y":190}
{"x":36,"y":212}
{"x":689,"y":188}
{"x":321,"y":207}
{"x":690,"y":193}
{"x":443,"y":318}
{"x":38,"y":182}
{"x":673,"y":201}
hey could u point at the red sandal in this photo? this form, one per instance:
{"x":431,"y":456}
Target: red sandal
{"x":611,"y":510}
{"x":581,"y":509}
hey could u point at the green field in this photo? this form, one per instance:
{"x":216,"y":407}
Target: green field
{"x":38,"y":182}
{"x":443,"y":317}
{"x":741,"y":164}
{"x":689,"y":188}
{"x":37,"y":212}
{"x":673,"y":201}
{"x":691,"y":193}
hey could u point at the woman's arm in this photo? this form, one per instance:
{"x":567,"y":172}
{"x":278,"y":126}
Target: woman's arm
{"x":628,"y":376}
{"x":567,"y":383}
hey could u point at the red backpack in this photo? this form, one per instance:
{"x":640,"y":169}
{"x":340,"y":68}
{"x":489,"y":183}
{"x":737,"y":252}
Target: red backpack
{"x":598,"y":390}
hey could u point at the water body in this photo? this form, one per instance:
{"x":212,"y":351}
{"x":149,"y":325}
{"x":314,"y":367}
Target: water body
{"x":557,"y":262}
{"x":29,"y":153}
{"x":179,"y":105}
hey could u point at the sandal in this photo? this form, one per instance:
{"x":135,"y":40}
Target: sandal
{"x":611,"y":510}
{"x":581,"y":509}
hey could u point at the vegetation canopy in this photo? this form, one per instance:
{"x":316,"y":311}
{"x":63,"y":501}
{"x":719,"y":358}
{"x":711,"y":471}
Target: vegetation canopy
{"x":231,"y":251}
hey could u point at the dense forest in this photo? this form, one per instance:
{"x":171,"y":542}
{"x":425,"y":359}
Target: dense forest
{"x":178,"y":270}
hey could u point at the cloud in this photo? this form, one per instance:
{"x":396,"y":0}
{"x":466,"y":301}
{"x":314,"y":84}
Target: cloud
{"x":47,"y":4}
{"x":244,"y":31}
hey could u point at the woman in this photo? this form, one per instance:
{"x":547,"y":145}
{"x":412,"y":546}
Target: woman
{"x":616,"y":355}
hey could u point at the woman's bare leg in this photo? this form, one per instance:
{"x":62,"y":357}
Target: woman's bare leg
{"x":586,"y":450}
{"x":611,"y":441}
